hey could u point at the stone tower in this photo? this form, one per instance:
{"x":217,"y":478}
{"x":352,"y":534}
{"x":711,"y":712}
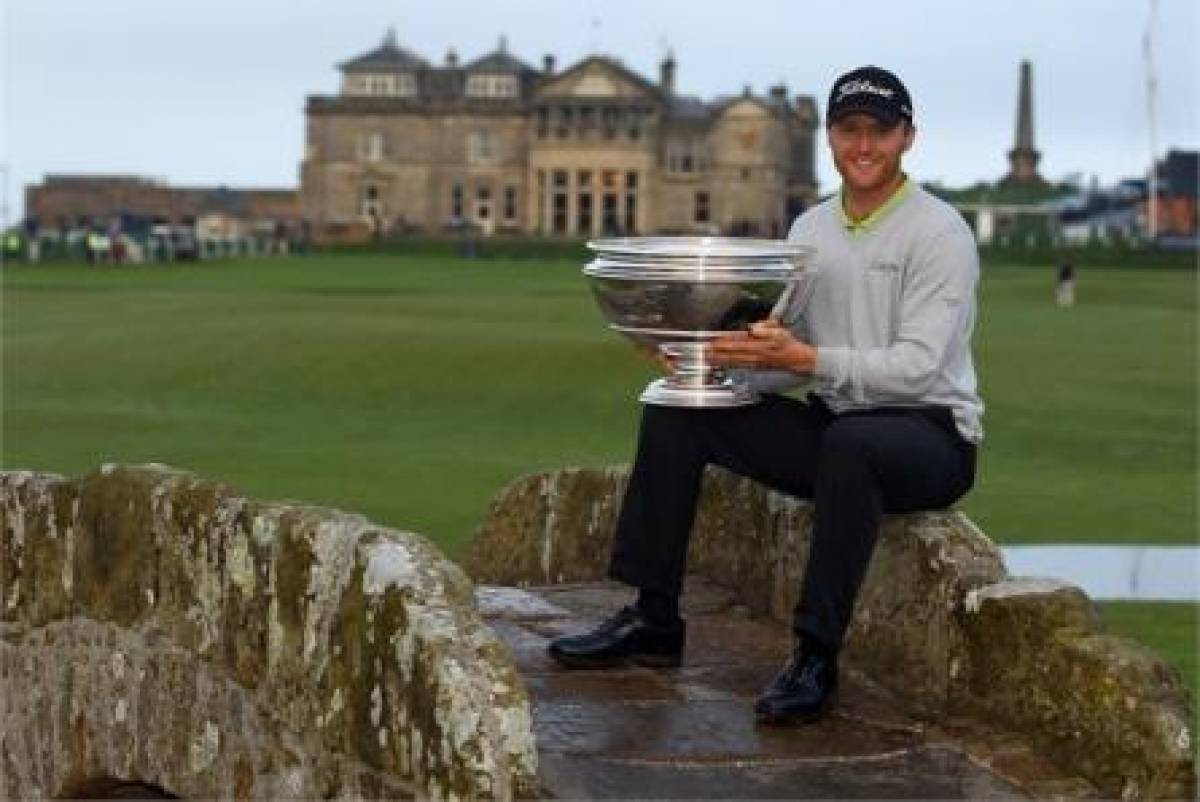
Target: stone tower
{"x":1023,"y":158}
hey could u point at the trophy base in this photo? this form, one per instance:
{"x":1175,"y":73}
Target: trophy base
{"x":667,"y":393}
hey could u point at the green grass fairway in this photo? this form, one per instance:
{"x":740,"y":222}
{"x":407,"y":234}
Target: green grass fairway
{"x":409,"y":391}
{"x":412,"y":389}
{"x":1091,"y":411}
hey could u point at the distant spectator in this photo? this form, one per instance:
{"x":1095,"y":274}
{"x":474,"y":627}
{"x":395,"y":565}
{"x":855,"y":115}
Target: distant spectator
{"x":305,"y":236}
{"x":116,"y":253}
{"x":281,"y":238}
{"x":133,"y":250}
{"x":1065,"y":292}
{"x":468,"y":244}
{"x":12,"y":246}
{"x":32,"y":245}
{"x":95,"y":247}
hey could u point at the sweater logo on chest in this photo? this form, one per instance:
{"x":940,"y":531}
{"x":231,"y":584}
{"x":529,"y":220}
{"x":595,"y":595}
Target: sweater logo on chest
{"x":884,"y":268}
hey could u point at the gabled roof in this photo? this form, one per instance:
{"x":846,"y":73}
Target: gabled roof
{"x":388,"y":57}
{"x":607,"y":63}
{"x":724,"y":102}
{"x":499,"y":61}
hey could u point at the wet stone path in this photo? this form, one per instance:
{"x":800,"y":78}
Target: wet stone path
{"x":689,"y":732}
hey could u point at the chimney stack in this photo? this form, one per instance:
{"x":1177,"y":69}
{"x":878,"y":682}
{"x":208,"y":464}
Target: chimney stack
{"x":666,"y":75}
{"x":548,"y":64}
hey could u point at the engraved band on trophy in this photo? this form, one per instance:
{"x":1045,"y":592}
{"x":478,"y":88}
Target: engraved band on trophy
{"x":678,"y":293}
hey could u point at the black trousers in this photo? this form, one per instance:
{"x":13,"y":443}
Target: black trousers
{"x":855,"y":467}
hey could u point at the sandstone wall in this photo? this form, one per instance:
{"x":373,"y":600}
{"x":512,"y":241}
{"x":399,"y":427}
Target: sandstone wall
{"x":159,"y":629}
{"x":938,"y":620}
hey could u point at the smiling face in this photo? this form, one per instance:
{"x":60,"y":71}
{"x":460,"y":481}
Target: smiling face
{"x":867,"y":155}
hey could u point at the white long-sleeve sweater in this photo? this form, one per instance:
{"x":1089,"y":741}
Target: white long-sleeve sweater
{"x":891,"y":308}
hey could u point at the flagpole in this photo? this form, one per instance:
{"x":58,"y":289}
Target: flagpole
{"x":1151,"y":98}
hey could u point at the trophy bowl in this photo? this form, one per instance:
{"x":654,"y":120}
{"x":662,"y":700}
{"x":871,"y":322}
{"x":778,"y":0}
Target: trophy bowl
{"x":675,"y":294}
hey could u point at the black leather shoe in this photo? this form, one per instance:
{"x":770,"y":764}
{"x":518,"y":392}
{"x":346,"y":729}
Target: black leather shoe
{"x":627,"y":636}
{"x":801,"y":693}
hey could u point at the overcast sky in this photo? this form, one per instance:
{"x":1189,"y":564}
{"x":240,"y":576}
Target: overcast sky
{"x":213,"y":92}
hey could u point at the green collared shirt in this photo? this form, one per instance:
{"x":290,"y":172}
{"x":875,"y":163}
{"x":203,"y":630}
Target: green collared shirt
{"x":855,"y":227}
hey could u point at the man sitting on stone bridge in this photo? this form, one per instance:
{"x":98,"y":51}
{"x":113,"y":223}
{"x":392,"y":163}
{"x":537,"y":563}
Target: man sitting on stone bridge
{"x":891,"y":427}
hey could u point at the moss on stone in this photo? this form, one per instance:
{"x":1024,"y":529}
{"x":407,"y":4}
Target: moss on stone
{"x":1099,"y":704}
{"x":293,"y":573}
{"x":36,"y":515}
{"x":936,"y":621}
{"x":347,"y":675}
{"x":246,"y":605}
{"x":48,"y":546}
{"x":114,"y":560}
{"x":502,"y":550}
{"x":361,"y":624}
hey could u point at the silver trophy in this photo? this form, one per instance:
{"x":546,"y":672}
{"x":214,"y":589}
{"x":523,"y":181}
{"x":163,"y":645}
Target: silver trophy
{"x":678,"y":293}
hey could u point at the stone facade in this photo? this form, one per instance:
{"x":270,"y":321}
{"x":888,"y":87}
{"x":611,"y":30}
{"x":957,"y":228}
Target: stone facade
{"x":594,"y":149}
{"x":161,"y":632}
{"x":938,"y":621}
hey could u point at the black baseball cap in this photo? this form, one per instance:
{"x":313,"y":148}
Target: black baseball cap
{"x":870,"y":90}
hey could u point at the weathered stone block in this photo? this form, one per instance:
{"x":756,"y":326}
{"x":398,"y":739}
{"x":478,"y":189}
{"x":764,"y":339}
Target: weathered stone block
{"x":159,"y":628}
{"x":558,"y":527}
{"x":1107,"y":706}
{"x":937,"y":620}
{"x":548,"y":528}
{"x":37,"y":513}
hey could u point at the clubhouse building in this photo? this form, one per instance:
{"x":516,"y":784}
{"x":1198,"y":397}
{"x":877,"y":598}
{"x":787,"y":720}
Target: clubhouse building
{"x":497,"y":146}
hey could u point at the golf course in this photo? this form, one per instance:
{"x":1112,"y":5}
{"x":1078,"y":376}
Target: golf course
{"x":413,"y":387}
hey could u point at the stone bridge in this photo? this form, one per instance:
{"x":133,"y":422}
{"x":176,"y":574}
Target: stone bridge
{"x":158,"y":629}
{"x":160,"y":634}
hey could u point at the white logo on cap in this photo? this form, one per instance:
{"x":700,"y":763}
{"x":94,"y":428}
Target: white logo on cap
{"x":860,"y":86}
